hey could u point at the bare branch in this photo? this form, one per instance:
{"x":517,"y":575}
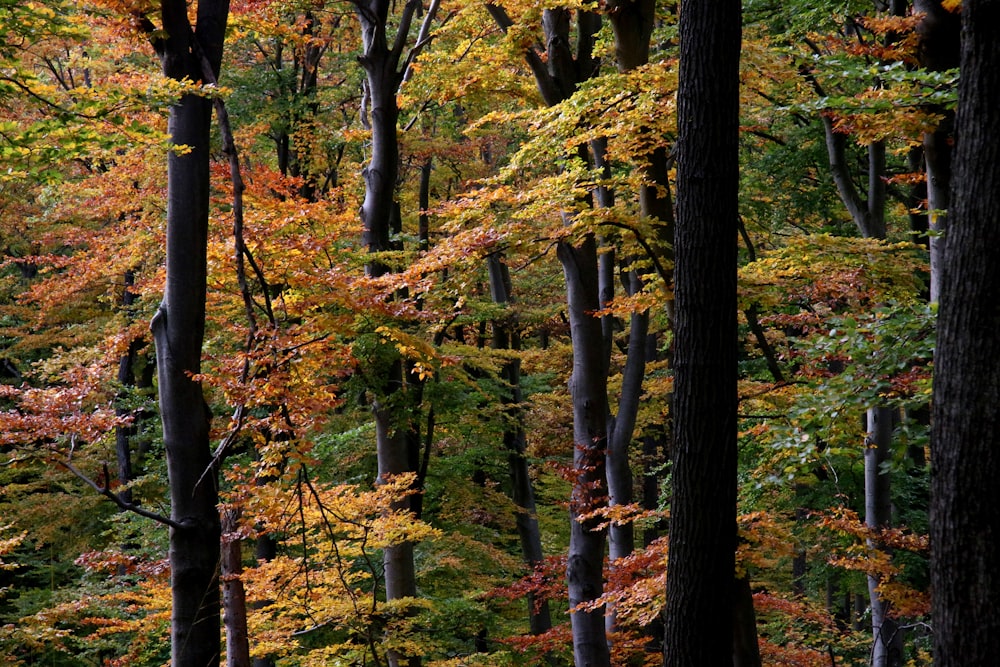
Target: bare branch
{"x":423,"y":38}
{"x":113,"y":497}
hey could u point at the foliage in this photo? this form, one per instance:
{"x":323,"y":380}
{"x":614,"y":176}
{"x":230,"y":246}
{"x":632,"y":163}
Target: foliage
{"x":299,"y":337}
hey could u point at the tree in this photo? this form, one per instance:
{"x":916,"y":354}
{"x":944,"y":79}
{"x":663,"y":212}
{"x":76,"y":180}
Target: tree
{"x":702,"y":567}
{"x":398,"y":445}
{"x":938,"y":50}
{"x":965,"y":459}
{"x":558,"y":71}
{"x":179,"y":329}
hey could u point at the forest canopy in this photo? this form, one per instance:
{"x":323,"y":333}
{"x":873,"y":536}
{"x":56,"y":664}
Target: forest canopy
{"x":346,"y":333}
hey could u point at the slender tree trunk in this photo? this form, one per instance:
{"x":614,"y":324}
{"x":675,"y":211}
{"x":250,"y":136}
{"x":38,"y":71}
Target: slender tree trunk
{"x":178,"y":330}
{"x":126,"y":380}
{"x":937,"y":161}
{"x":588,"y":388}
{"x":965,"y":452}
{"x":632,"y":22}
{"x":868,"y":213}
{"x":234,"y":599}
{"x":505,"y":337}
{"x":938,"y":49}
{"x":887,"y":649}
{"x":702,"y":562}
{"x":558,"y":71}
{"x":397,"y":445}
{"x":621,"y":429}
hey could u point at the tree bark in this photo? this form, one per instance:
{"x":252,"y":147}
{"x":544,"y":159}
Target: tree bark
{"x":702,"y":562}
{"x":868,"y":214}
{"x":746,"y":648}
{"x":233,"y":594}
{"x":887,"y":649}
{"x":632,"y":22}
{"x":178,"y":330}
{"x":126,"y":379}
{"x":396,"y":444}
{"x":558,"y":70}
{"x":938,"y":50}
{"x":965,"y":452}
{"x":588,"y":388}
{"x":621,"y":428}
{"x":505,"y":337}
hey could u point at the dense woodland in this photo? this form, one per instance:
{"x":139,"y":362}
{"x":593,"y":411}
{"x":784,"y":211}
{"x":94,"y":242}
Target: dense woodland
{"x":402,"y":333}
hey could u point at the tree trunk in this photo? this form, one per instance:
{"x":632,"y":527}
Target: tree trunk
{"x":632,"y":23}
{"x":868,"y":213}
{"x":887,"y":650}
{"x":234,"y":599}
{"x":126,"y":380}
{"x":178,"y":330}
{"x":746,"y":650}
{"x":937,"y":161}
{"x":589,"y":390}
{"x":395,"y":442}
{"x":702,"y":561}
{"x":392,"y":443}
{"x":938,"y":50}
{"x":505,"y":337}
{"x":558,"y":71}
{"x":965,"y":451}
{"x":621,"y":429}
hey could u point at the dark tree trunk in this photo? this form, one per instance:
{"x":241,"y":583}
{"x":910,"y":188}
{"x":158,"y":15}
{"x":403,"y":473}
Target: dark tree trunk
{"x":124,"y":434}
{"x":632,"y":22}
{"x":506,"y":337}
{"x":938,"y":50}
{"x":746,"y":650}
{"x":965,"y":451}
{"x":397,"y":444}
{"x":558,"y":71}
{"x":588,"y":388}
{"x":377,"y":218}
{"x":178,"y":330}
{"x":702,"y":562}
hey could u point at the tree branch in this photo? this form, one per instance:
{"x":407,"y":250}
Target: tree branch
{"x":409,"y":9}
{"x":423,"y":38}
{"x":113,"y":497}
{"x":660,"y":269}
{"x":546,"y":85}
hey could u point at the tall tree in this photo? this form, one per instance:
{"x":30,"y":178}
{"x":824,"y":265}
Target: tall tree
{"x":965,"y":458}
{"x":702,"y":562}
{"x":178,"y":330}
{"x":868,"y":211}
{"x":559,"y":68}
{"x":938,"y":50}
{"x":385,"y":65}
{"x":507,"y":337}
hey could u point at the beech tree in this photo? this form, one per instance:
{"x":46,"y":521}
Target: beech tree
{"x":356,"y":299}
{"x":965,"y":461}
{"x":385,"y":59}
{"x":701,"y":571}
{"x":179,"y":329}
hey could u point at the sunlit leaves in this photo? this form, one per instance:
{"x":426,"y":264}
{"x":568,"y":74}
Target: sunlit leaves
{"x":327,"y":581}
